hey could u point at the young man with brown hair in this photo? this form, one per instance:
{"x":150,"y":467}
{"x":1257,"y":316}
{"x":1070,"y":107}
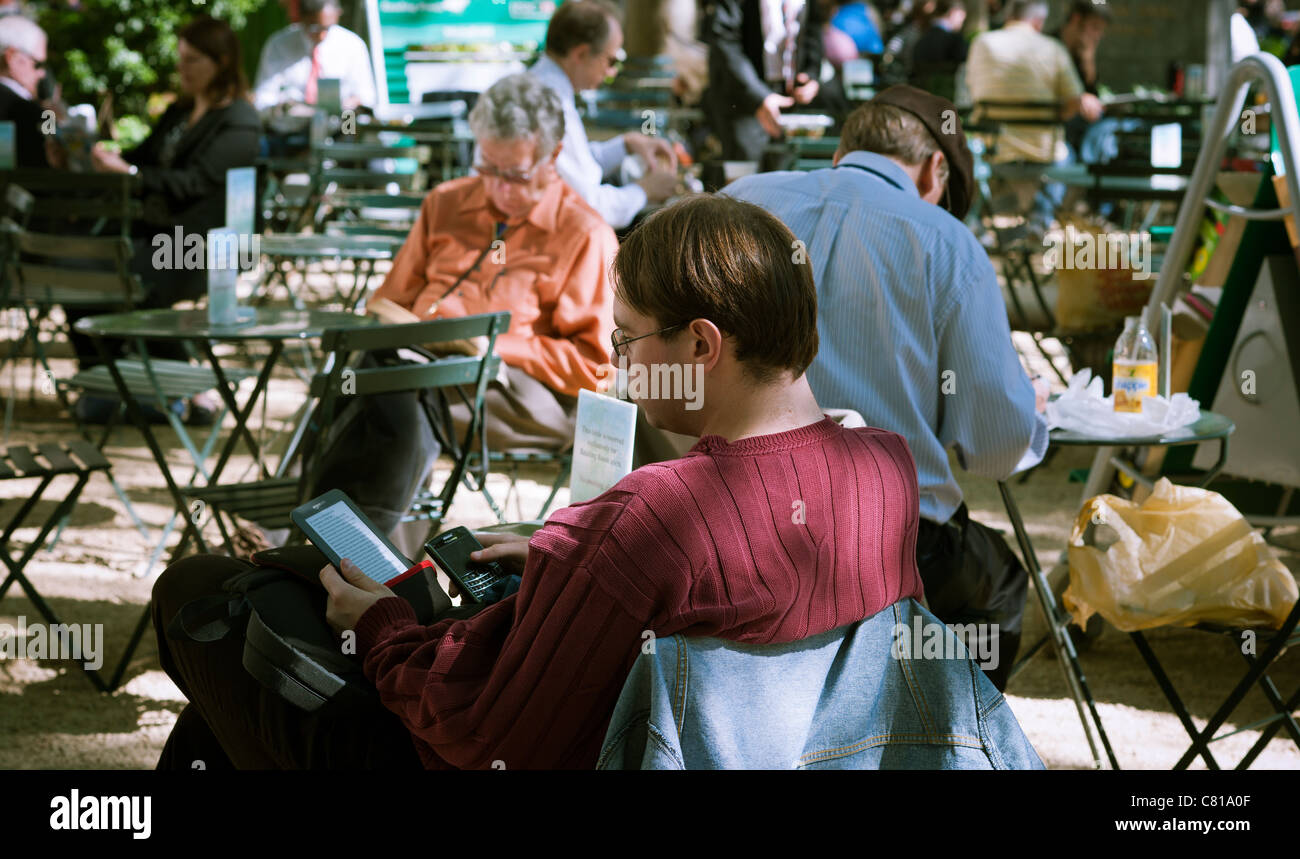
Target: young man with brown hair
{"x":778,"y":525}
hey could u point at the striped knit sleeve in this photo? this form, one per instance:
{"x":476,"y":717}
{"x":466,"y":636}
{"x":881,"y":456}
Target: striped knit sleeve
{"x":517,"y":683}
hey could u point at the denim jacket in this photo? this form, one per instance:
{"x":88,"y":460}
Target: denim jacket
{"x":850,"y":698}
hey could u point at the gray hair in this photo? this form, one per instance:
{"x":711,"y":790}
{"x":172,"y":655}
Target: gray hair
{"x":312,"y":8}
{"x":516,"y":107}
{"x":1028,"y":10}
{"x":21,"y":33}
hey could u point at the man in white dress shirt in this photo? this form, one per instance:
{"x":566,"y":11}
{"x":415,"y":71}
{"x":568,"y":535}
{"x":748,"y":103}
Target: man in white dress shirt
{"x":316,"y":48}
{"x":583,"y":41}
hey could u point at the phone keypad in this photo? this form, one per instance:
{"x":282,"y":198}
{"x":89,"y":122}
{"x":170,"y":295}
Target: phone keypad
{"x":479,"y":581}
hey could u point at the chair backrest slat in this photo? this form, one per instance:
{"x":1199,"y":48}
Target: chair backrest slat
{"x":417,"y":333}
{"x":355,"y":178}
{"x":37,"y":280}
{"x":372,"y":152}
{"x":111,"y":248}
{"x":444,"y":373}
{"x":61,"y":195}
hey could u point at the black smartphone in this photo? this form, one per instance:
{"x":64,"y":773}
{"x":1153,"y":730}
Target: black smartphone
{"x":451,"y":550}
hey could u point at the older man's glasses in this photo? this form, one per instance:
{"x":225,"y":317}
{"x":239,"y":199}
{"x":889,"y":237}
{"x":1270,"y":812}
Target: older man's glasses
{"x":513,"y":177}
{"x":619,"y":342}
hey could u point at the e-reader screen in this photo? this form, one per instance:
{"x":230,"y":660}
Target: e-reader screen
{"x":337,"y":530}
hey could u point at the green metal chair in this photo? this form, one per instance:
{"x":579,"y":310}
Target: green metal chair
{"x":345,"y":167}
{"x":269,"y":502}
{"x":44,"y":463}
{"x":511,"y":461}
{"x":91,"y":271}
{"x":366,"y":213}
{"x":287,"y":254}
{"x":79,"y":203}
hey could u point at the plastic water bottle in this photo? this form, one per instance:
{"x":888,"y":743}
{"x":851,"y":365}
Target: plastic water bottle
{"x":1136,"y":366}
{"x":223,"y":277}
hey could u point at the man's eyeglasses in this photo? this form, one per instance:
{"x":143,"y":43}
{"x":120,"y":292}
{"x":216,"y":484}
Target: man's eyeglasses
{"x":514,"y":177}
{"x":37,"y":64}
{"x":614,"y":61}
{"x":619,"y":342}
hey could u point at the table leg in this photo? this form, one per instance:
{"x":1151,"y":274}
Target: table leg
{"x":1061,"y":641}
{"x":225,"y":388}
{"x":138,"y":418}
{"x":1162,"y":680}
{"x":241,"y":420}
{"x":1218,"y":465}
{"x":1257,"y":669}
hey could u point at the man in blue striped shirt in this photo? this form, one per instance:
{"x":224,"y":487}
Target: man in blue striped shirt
{"x":914,"y":334}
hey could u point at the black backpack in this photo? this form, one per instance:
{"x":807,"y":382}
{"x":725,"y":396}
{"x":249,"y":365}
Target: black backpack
{"x":279,"y":608}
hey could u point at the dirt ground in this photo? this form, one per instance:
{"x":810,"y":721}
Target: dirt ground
{"x":50,"y":716}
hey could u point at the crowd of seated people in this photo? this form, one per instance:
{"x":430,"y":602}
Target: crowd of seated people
{"x":891,"y":295}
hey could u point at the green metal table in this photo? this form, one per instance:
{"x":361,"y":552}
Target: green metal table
{"x":272,"y":326}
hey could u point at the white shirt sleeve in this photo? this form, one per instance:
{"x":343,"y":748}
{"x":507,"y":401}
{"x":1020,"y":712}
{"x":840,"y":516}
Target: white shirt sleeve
{"x":274,"y":84}
{"x":609,"y":154}
{"x":618,"y":206}
{"x":357,"y":76}
{"x":585,"y":165}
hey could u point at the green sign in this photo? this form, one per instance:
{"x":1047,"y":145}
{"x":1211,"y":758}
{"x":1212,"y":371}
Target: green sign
{"x":448,"y":24}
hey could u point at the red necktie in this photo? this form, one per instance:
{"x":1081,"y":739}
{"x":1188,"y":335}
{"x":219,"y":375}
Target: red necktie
{"x":309,"y":94}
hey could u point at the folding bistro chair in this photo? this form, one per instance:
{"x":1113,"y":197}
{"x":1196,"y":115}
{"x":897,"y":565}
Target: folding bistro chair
{"x":45,"y":462}
{"x":269,"y":502}
{"x":1269,"y":645}
{"x":48,"y":271}
{"x":73,"y":272}
{"x":88,"y":204}
{"x":286,"y":255}
{"x":510,"y":461}
{"x":343,"y":167}
{"x":367,"y":213}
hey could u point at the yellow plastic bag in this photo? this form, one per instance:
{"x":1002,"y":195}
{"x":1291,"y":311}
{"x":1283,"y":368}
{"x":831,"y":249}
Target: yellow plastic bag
{"x":1182,"y":557}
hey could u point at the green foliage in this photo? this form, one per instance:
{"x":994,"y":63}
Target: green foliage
{"x":126,"y":47}
{"x":131,"y":131}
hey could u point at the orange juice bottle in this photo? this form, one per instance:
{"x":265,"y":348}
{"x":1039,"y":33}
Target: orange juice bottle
{"x":1136,"y":366}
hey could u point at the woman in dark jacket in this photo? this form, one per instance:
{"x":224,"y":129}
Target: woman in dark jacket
{"x":182,"y":165}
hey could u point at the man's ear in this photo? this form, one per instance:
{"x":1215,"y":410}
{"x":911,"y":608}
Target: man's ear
{"x":708,"y":342}
{"x":928,"y":184}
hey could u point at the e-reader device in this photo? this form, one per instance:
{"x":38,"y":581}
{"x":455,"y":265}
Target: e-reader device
{"x":337,"y":527}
